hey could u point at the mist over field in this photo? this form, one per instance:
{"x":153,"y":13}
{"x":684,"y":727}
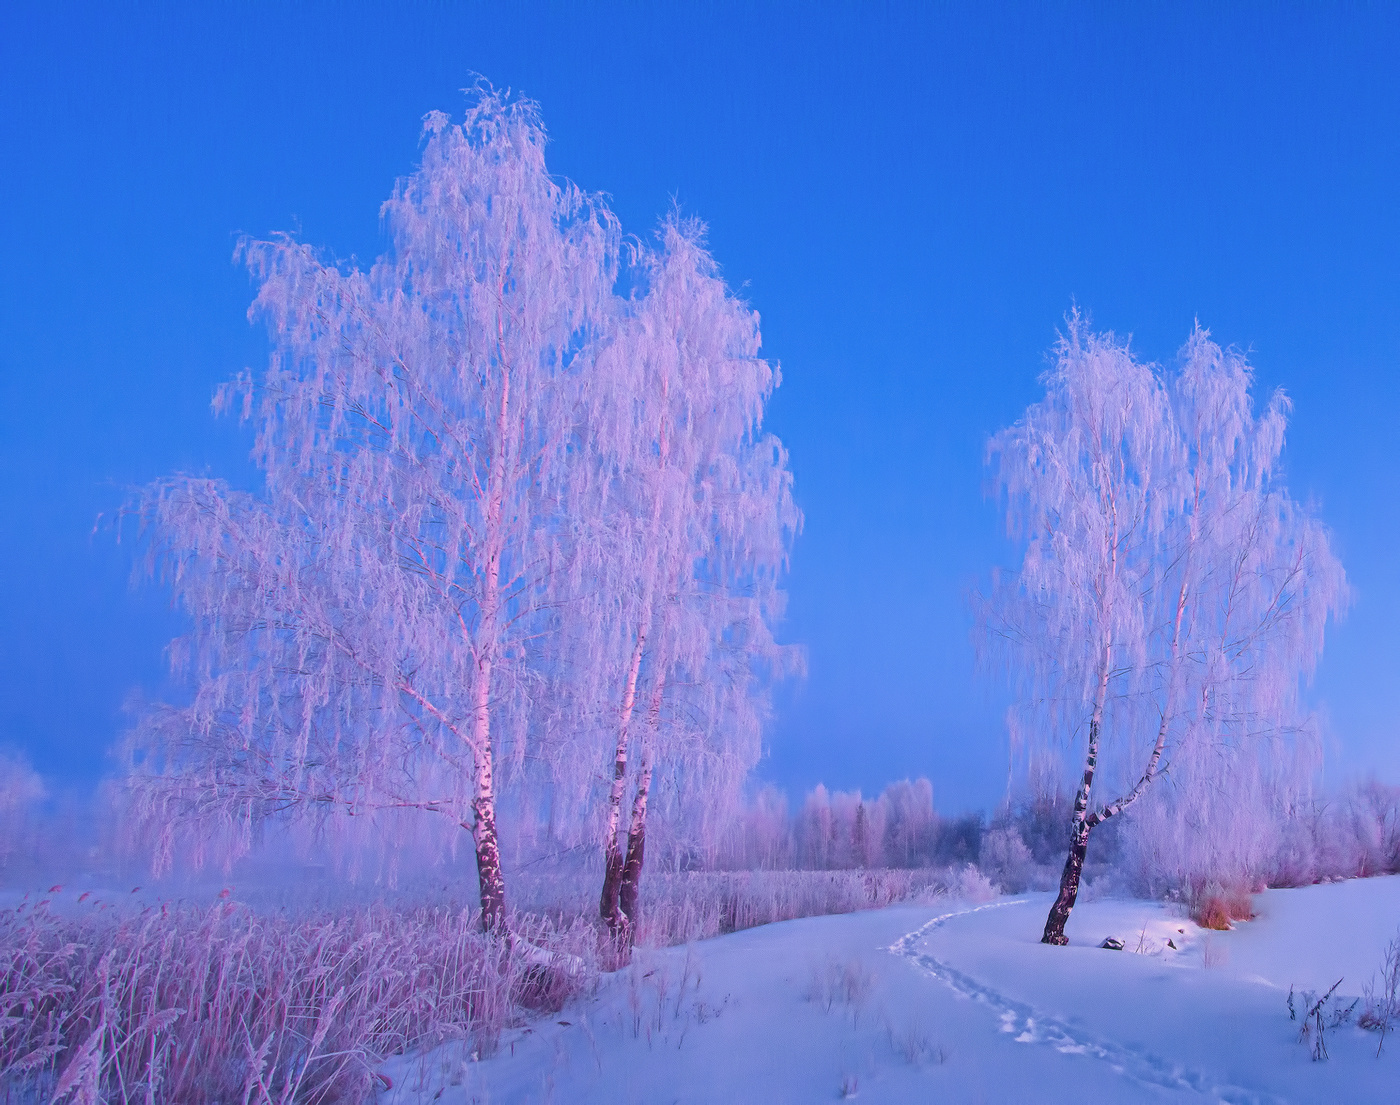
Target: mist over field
{"x":739,"y":589}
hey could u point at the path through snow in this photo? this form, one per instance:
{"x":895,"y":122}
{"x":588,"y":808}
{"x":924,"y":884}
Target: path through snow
{"x":1028,"y":1025}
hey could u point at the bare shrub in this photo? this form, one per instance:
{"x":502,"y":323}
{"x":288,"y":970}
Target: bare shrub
{"x":1212,"y":913}
{"x":663,"y":999}
{"x":845,"y":982}
{"x":915,"y":1044}
{"x":1213,"y":906}
{"x":1382,"y":996}
{"x":1315,"y":1020}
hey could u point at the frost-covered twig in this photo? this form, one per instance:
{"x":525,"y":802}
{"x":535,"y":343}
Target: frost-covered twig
{"x":1383,"y":1000}
{"x":1313,"y":1019}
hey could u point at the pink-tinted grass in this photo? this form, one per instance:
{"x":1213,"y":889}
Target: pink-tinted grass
{"x":225,"y":1004}
{"x":701,"y":904}
{"x":228,"y":1004}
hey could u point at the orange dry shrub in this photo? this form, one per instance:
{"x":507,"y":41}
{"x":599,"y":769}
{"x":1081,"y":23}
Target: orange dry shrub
{"x":1214,"y":906}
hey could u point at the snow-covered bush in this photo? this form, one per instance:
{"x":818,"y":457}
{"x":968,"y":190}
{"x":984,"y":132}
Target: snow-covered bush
{"x":1006,"y":860}
{"x":1040,"y":820}
{"x":1374,"y":811}
{"x":1353,"y":833}
{"x":1188,"y":834}
{"x":969,"y":885}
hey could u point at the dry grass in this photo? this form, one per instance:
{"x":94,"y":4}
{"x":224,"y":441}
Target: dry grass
{"x":225,"y":1004}
{"x":1214,"y":906}
{"x":228,"y":1004}
{"x":680,"y":907}
{"x":1382,"y":996}
{"x":695,"y":906}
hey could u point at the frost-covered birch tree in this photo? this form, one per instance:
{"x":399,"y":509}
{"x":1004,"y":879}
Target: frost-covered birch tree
{"x":698,"y":517}
{"x":1171,"y":596}
{"x":365,"y":628}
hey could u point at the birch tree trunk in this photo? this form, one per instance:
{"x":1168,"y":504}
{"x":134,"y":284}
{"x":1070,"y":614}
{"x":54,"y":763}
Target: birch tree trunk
{"x":1080,"y":823}
{"x":490,"y":879}
{"x":614,"y":914}
{"x":627,"y":891}
{"x":1078,"y":848}
{"x":613,"y":860}
{"x":630,"y":891}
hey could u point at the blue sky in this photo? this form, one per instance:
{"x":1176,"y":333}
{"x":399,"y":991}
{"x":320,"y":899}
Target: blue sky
{"x":911,"y":196}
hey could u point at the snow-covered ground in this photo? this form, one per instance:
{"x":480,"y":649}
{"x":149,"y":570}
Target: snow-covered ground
{"x":954,"y":1002}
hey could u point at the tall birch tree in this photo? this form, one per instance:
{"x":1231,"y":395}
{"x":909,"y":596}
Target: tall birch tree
{"x":365,"y":629}
{"x":699,"y":518}
{"x":1171,"y":596}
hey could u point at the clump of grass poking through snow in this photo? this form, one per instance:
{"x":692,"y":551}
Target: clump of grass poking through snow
{"x":1315,"y":1020}
{"x":915,"y":1044}
{"x":848,"y":983}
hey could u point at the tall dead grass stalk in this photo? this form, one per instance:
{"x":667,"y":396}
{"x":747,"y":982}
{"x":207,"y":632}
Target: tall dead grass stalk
{"x":228,"y":1005}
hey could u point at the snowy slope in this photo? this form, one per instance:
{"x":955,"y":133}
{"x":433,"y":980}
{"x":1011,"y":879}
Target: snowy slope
{"x":959,"y":1003}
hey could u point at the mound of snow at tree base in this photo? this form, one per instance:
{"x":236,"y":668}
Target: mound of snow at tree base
{"x":960,"y":1003}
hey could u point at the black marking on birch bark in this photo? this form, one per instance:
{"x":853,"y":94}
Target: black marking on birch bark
{"x":609,"y":907}
{"x":629,"y":894}
{"x":488,"y":866}
{"x":1078,"y":847}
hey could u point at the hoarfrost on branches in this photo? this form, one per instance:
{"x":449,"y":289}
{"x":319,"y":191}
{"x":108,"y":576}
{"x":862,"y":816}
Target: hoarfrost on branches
{"x":697,"y":516}
{"x":506,"y":510}
{"x":1171,"y":596}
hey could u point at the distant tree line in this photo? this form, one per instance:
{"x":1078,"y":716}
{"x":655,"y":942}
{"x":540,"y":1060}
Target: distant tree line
{"x":1353,"y":832}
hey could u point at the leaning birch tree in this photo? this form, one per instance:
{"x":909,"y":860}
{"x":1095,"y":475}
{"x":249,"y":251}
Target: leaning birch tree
{"x":365,"y":629}
{"x":1171,"y":595}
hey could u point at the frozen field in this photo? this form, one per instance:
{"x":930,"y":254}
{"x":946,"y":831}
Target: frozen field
{"x":960,"y":1003}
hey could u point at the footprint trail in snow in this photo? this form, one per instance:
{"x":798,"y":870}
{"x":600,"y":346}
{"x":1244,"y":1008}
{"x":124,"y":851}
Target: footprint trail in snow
{"x":1029,"y":1026}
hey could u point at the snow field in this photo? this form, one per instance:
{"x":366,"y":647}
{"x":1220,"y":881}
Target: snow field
{"x":959,"y":1003}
